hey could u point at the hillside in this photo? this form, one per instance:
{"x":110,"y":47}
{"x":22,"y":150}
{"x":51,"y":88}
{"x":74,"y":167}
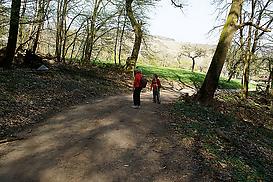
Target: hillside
{"x":164,"y":51}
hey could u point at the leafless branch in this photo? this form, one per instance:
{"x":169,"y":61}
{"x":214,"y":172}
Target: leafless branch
{"x":254,"y":25}
{"x":178,"y":4}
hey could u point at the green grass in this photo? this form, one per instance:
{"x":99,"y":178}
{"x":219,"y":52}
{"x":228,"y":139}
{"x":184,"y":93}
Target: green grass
{"x":186,"y":76}
{"x":240,"y":154}
{"x":177,"y":74}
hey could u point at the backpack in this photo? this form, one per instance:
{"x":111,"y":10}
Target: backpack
{"x":143,"y":82}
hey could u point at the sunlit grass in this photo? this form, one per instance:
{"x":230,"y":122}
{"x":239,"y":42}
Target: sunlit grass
{"x":181,"y":75}
{"x":186,"y":76}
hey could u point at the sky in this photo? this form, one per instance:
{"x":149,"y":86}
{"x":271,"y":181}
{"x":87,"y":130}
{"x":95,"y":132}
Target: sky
{"x":192,"y":25}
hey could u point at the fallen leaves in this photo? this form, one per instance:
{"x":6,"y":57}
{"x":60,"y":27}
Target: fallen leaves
{"x":28,"y":97}
{"x":232,"y":138}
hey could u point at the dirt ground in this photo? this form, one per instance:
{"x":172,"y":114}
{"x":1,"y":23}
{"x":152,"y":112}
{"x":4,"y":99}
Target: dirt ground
{"x":101,"y":141}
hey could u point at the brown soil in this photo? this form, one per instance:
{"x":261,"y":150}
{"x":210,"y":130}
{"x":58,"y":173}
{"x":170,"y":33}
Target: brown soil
{"x":104,"y":140}
{"x":28,"y":97}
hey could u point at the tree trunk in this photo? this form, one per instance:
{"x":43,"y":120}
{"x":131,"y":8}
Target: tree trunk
{"x":210,"y":83}
{"x":247,"y":60}
{"x":13,"y":32}
{"x":89,"y":43}
{"x":193,"y":65}
{"x":246,"y":77}
{"x":40,"y":10}
{"x":64,"y":43}
{"x":250,"y":52}
{"x":233,"y":70}
{"x":116,"y":40}
{"x":131,"y":61}
{"x":230,"y":76}
{"x":58,"y":31}
{"x":73,"y":43}
{"x":91,"y":33}
{"x":271,"y":91}
{"x":269,"y":81}
{"x":121,"y":40}
{"x":73,"y":47}
{"x":43,"y":8}
{"x":23,"y":11}
{"x":64,"y":31}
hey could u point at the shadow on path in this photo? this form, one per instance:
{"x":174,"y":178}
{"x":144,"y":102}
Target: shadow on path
{"x":105,"y":140}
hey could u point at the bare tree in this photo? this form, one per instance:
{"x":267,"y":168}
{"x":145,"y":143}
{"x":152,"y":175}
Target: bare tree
{"x":259,"y":21}
{"x":43,"y":6}
{"x":193,"y":53}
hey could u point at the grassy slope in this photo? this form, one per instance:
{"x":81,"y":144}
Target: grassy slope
{"x":186,"y":77}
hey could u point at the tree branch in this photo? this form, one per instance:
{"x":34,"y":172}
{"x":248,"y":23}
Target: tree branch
{"x":254,"y":25}
{"x":177,"y":4}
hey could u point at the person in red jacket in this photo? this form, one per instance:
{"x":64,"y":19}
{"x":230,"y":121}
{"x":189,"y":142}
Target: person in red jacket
{"x":155,"y":86}
{"x":137,"y":89}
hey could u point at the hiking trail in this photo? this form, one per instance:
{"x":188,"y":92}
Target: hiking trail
{"x":102,"y":140}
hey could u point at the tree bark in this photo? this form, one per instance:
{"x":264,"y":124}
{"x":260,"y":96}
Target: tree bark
{"x":43,"y":8}
{"x":193,"y":64}
{"x":231,"y":73}
{"x":64,"y":31}
{"x":91,"y":33}
{"x":249,"y":54}
{"x":59,"y":31}
{"x":121,"y":40}
{"x":247,"y":59}
{"x":116,"y":40}
{"x":131,"y":61}
{"x":270,"y":87}
{"x":269,"y":81}
{"x":23,"y":11}
{"x":210,"y":84}
{"x":13,"y":33}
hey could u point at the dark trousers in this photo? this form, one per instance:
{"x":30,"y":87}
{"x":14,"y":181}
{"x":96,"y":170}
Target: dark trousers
{"x":136,"y":96}
{"x":156,"y":96}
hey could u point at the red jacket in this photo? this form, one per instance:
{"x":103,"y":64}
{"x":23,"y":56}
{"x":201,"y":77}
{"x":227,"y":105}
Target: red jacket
{"x":137,"y":83}
{"x":155,"y":84}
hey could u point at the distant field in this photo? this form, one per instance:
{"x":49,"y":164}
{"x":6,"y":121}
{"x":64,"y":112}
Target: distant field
{"x":186,"y":76}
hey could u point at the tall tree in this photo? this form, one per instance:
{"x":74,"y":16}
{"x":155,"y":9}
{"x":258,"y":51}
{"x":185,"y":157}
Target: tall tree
{"x":99,"y":24}
{"x":121,"y":39}
{"x":210,"y":84}
{"x":117,"y":35}
{"x":13,"y":32}
{"x":91,"y":31}
{"x":43,"y":6}
{"x":259,"y":21}
{"x":60,"y":23}
{"x":137,"y":25}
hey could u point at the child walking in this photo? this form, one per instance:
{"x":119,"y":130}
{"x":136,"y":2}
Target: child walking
{"x":155,"y":86}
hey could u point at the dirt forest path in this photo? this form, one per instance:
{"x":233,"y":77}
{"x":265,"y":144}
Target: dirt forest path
{"x":101,"y":141}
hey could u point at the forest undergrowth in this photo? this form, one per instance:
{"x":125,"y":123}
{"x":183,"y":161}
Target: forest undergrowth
{"x":232,"y":138}
{"x":27,"y":97}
